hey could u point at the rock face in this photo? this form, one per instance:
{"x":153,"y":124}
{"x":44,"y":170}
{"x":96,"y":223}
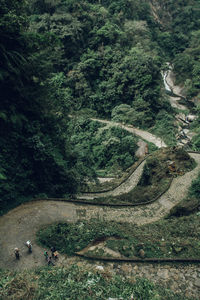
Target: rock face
{"x":142,"y":150}
{"x":191,"y":118}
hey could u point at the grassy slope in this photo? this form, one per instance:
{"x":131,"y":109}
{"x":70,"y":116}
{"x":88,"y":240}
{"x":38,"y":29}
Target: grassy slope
{"x":174,"y":237}
{"x":75,"y":283}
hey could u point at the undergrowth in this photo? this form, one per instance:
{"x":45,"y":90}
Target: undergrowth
{"x":164,"y":128}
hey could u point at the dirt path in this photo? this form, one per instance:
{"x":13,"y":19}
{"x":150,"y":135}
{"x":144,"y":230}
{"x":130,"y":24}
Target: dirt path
{"x":151,"y":212}
{"x":125,"y":187}
{"x":143,"y":134}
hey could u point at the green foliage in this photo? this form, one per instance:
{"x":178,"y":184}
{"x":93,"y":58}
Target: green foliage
{"x":190,"y":204}
{"x":60,"y":57}
{"x":138,"y":115}
{"x":100,"y":82}
{"x":164,"y":127}
{"x":196,"y":142}
{"x":70,"y":238}
{"x":36,"y":156}
{"x":189,"y":65}
{"x":186,"y":62}
{"x":195,"y":126}
{"x":103,"y":147}
{"x":177,"y":35}
{"x":104,"y":67}
{"x":178,"y":19}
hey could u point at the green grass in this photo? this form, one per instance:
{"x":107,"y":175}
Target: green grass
{"x":75,"y":283}
{"x":170,"y":238}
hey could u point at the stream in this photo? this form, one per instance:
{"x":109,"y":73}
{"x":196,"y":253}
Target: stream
{"x":183,"y":120}
{"x":164,"y":76}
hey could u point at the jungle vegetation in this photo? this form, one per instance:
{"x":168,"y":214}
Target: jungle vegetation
{"x":84,"y":58}
{"x":61,"y":63}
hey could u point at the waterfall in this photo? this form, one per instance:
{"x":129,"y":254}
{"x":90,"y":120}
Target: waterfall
{"x":167,"y":87}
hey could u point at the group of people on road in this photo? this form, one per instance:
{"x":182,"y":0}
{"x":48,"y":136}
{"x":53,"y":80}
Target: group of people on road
{"x":54,"y":253}
{"x":48,"y":258}
{"x":29,"y":246}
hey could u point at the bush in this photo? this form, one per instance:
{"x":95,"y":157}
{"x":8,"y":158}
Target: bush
{"x":70,"y":238}
{"x":195,"y":188}
{"x":164,"y":127}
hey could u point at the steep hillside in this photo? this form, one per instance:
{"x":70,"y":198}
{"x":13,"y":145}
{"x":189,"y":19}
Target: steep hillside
{"x":99,"y":58}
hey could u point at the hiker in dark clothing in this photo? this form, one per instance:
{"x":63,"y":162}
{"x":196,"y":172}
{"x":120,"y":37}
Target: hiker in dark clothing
{"x":16,"y":253}
{"x":53,"y":249}
{"x":29,"y":246}
{"x":46,"y":255}
{"x":54,"y":252}
{"x":49,"y":261}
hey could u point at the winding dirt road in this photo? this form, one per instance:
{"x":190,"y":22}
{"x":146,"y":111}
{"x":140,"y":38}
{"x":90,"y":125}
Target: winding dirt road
{"x":22,"y":223}
{"x":143,"y":134}
{"x":123,"y":188}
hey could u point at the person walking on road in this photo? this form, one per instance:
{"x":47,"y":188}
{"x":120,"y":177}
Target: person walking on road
{"x":49,"y":261}
{"x":46,"y":255}
{"x":28,"y":244}
{"x":54,"y":252}
{"x":53,"y":249}
{"x":16,"y":253}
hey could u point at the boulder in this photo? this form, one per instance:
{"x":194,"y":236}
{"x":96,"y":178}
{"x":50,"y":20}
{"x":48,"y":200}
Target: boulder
{"x":141,"y":253}
{"x":142,"y":150}
{"x":190,"y":118}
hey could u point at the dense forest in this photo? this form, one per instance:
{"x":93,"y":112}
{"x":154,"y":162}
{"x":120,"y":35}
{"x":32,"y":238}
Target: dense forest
{"x":62,"y":62}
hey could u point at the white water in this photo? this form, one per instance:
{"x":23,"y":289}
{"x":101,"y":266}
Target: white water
{"x":167,"y":87}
